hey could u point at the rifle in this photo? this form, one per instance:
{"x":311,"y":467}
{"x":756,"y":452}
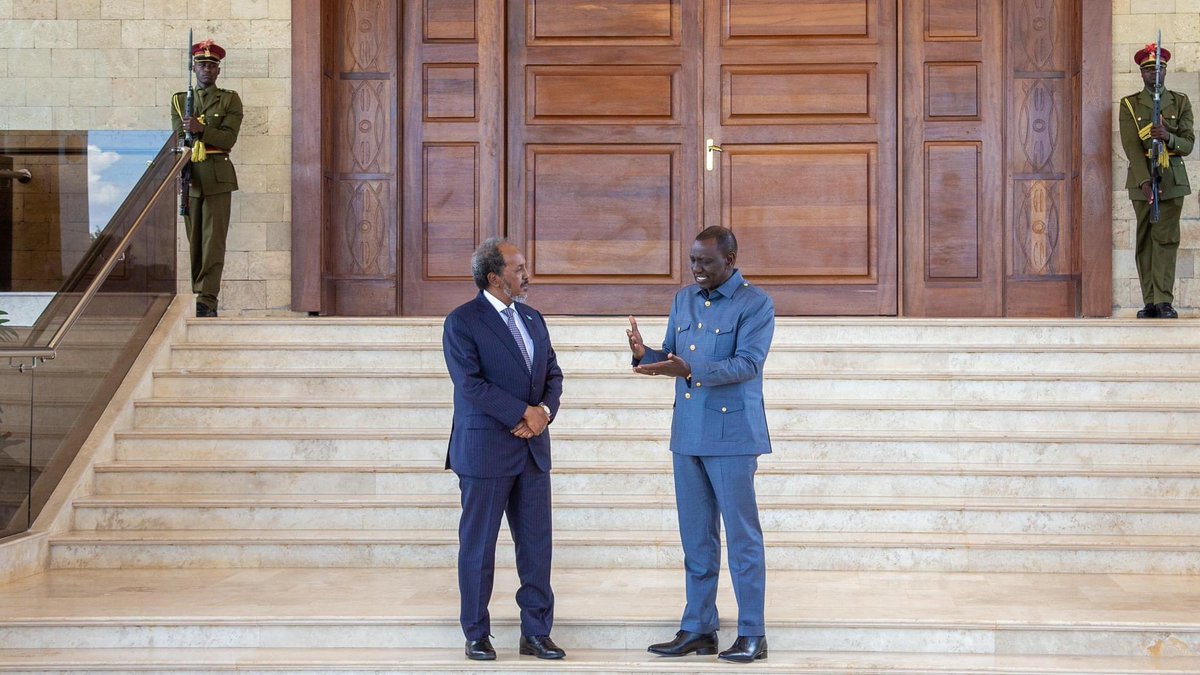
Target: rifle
{"x":1155,"y":144}
{"x":189,"y":108}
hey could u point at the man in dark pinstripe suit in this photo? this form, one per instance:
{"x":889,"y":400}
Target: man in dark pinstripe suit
{"x":507,"y":386}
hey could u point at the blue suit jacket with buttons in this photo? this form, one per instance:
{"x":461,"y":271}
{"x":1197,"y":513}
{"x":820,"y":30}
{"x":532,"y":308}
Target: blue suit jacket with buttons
{"x":492,"y":388}
{"x":724,"y":338}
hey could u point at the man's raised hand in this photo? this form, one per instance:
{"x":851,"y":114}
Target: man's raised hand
{"x":635,"y":339}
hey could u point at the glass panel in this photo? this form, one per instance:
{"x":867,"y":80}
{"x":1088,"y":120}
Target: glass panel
{"x":16,"y":477}
{"x":87,"y":190}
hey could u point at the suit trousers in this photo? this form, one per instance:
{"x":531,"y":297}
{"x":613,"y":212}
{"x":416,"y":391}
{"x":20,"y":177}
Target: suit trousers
{"x":708,"y":490}
{"x":525,"y":500}
{"x":1156,"y":248}
{"x":207,"y":227}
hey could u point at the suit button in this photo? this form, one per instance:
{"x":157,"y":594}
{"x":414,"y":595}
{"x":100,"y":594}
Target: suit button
{"x":698,"y":384}
{"x":708,"y":303}
{"x":699,"y":325}
{"x":718,"y":331}
{"x":688,"y":395}
{"x":724,"y":409}
{"x":692,"y":348}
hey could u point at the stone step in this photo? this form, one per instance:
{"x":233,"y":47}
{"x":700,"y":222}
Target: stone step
{"x":1043,"y":515}
{"x":623,"y":609}
{"x":782,"y":415}
{"x":422,"y":444}
{"x":812,"y":357}
{"x":295,"y":661}
{"x":842,"y":330}
{"x":786,"y":550}
{"x":775,"y":476}
{"x":777,"y":384}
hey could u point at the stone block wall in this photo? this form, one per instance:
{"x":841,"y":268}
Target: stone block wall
{"x":1135,"y":23}
{"x":113,"y":64}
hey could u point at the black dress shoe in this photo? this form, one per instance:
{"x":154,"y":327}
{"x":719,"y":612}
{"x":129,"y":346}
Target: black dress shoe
{"x":1166,"y":311}
{"x":746,"y":649}
{"x":480,"y":650}
{"x":203,"y":311}
{"x":1148,"y":312}
{"x":687,"y":642}
{"x":540,"y":646}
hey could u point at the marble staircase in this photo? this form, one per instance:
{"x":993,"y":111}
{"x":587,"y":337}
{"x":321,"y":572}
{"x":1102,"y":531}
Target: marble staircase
{"x":1001,"y":496}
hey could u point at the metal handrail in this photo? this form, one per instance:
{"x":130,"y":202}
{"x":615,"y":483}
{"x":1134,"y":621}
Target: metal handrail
{"x":51,"y":349}
{"x":20,"y":175}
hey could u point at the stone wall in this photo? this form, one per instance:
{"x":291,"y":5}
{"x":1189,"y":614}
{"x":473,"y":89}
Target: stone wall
{"x":113,"y":64}
{"x":1135,"y":23}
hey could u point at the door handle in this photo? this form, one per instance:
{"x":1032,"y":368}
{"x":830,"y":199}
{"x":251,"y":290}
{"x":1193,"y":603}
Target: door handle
{"x":709,"y":149}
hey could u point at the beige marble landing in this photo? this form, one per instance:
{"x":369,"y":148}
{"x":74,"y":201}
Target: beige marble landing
{"x":625,"y":595}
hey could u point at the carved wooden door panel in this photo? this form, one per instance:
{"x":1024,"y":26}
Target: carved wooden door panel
{"x":361,"y":266}
{"x":991,"y":185}
{"x":1043,"y":172}
{"x":602,"y":107}
{"x":800,"y":95}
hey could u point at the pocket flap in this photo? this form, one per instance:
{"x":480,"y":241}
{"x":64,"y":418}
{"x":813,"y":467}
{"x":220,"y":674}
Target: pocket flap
{"x":723,"y":405}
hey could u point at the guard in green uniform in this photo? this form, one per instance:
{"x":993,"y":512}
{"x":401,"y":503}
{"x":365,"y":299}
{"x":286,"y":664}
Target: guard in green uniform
{"x":1157,"y":243}
{"x":215,"y":124}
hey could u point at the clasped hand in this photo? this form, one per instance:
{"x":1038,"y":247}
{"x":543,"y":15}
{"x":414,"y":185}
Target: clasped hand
{"x":532,"y":424}
{"x":192,"y":125}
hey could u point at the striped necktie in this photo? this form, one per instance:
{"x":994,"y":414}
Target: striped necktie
{"x":510,"y":316}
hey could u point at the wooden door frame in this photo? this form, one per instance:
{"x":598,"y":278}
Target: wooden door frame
{"x":310,"y":156}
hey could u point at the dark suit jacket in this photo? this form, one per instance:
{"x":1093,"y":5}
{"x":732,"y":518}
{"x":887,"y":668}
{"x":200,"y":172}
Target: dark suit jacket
{"x":492,"y":388}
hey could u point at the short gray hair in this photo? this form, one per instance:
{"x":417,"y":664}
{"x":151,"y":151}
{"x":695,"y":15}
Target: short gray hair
{"x":487,"y":259}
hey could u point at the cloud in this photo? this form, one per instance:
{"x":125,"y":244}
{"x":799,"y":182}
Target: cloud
{"x":102,"y":193}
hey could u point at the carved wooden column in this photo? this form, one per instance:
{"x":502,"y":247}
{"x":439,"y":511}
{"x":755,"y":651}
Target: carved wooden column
{"x":1041,"y":173}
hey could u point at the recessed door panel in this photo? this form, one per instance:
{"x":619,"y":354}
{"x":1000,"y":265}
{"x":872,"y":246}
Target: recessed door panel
{"x":805,"y":120}
{"x":603,"y":139}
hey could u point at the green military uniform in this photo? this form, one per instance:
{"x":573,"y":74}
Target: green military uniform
{"x":213,"y":182}
{"x":1157,"y":243}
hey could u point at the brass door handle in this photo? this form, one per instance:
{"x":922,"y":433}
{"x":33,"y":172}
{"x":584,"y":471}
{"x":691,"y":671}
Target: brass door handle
{"x":709,"y":149}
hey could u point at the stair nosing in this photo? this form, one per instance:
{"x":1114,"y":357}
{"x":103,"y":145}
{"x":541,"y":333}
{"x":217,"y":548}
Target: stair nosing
{"x":659,"y":467}
{"x":578,"y":404}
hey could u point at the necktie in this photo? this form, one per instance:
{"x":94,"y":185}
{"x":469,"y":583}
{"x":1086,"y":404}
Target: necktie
{"x":510,"y":315}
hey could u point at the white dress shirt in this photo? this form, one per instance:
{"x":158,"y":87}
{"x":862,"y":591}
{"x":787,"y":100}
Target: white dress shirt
{"x":500,"y":307}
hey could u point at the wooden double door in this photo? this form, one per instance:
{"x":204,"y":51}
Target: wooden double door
{"x":601,"y":135}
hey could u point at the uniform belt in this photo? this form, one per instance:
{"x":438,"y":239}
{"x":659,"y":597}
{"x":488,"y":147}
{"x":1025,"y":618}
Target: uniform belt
{"x":215,"y":151}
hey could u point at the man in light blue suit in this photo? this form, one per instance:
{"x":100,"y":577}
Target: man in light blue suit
{"x":507,"y":386}
{"x":717,"y":340}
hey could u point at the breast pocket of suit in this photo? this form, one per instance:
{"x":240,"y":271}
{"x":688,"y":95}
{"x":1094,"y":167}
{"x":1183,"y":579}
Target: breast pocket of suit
{"x":725,"y":419}
{"x":720,"y":336}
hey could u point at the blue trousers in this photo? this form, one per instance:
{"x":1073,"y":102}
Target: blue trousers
{"x":525,"y":499}
{"x":708,"y":490}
